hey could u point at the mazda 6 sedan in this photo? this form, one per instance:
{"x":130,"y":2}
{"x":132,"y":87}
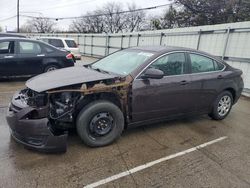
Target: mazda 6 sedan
{"x":135,"y":86}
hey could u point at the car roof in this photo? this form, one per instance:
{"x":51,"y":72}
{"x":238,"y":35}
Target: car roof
{"x":17,"y":38}
{"x":11,"y":35}
{"x":56,"y":38}
{"x":27,"y":39}
{"x":165,"y":49}
{"x":22,"y":39}
{"x":162,"y":49}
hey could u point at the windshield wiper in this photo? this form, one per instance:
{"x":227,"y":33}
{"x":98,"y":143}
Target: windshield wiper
{"x":99,"y":70}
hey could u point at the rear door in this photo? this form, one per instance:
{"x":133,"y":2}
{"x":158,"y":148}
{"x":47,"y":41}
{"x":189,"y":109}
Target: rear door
{"x":30,"y":57}
{"x":206,"y":81}
{"x":8,"y":58}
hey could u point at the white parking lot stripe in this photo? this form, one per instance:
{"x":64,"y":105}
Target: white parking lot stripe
{"x":152,"y":163}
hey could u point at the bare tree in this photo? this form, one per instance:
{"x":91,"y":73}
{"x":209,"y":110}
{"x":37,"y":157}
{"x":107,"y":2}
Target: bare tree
{"x":111,"y":18}
{"x":41,"y":25}
{"x":93,"y":24}
{"x":79,"y":26}
{"x":114,"y":21}
{"x":134,"y":20}
{"x":96,"y":23}
{"x":27,"y":28}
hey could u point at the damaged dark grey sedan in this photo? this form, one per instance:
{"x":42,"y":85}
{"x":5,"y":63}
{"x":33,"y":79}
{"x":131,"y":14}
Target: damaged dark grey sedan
{"x":131,"y":87}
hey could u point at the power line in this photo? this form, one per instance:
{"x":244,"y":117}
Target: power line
{"x":97,"y":15}
{"x":10,"y":11}
{"x":5,"y":19}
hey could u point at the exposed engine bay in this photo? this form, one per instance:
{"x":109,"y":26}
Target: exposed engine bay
{"x":41,"y":119}
{"x":62,"y":106}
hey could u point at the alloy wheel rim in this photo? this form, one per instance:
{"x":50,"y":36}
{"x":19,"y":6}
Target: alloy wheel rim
{"x":224,"y":105}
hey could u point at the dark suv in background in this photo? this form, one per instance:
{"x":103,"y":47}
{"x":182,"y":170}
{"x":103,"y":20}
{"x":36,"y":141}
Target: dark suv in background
{"x":20,"y":56}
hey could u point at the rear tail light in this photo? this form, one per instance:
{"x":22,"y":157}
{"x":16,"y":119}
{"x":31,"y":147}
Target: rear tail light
{"x":69,"y":56}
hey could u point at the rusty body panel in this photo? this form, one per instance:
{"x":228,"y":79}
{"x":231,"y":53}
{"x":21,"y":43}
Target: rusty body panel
{"x":121,"y":89}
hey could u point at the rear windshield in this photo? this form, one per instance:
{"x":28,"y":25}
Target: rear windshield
{"x":71,"y":43}
{"x":56,"y":42}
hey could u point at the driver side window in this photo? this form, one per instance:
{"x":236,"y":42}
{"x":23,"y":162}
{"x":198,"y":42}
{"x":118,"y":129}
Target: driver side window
{"x":172,"y":64}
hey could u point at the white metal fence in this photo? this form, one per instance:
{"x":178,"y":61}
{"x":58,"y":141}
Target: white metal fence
{"x":228,"y":41}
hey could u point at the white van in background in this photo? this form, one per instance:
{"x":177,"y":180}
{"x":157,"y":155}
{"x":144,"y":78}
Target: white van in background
{"x":64,"y":43}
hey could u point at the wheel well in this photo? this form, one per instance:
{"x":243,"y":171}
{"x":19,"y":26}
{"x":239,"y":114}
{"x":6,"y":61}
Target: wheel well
{"x":232,"y":91}
{"x":51,"y":64}
{"x":111,"y":97}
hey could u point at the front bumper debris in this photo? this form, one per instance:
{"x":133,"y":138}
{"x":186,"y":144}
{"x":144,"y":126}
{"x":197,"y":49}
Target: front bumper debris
{"x":34,"y":133}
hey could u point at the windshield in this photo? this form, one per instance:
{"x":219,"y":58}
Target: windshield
{"x":122,"y":62}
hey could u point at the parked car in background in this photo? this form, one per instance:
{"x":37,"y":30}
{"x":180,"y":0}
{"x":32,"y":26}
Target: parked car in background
{"x":64,"y":43}
{"x":11,"y":35}
{"x":130,"y":87}
{"x":20,"y":56}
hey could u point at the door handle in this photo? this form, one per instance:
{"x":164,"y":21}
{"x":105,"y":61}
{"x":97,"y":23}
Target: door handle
{"x":219,"y":77}
{"x":184,"y":82}
{"x":40,"y":55}
{"x":8,"y":56}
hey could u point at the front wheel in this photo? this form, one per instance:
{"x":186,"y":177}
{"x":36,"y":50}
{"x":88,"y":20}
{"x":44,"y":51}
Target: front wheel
{"x":222,"y":106}
{"x":100,"y":123}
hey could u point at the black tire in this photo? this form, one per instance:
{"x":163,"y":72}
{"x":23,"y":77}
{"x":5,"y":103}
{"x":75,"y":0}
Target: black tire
{"x":85,"y":123}
{"x":216,"y":114}
{"x":49,"y":68}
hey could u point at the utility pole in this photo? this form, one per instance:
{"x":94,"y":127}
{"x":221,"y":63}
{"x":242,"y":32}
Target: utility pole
{"x":18,"y":16}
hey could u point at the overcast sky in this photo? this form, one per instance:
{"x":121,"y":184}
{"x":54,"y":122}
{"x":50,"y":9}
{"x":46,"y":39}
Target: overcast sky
{"x":61,"y":8}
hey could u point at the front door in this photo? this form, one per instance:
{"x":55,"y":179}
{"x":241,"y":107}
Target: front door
{"x":8,"y":58}
{"x":158,"y":98}
{"x":30,"y":58}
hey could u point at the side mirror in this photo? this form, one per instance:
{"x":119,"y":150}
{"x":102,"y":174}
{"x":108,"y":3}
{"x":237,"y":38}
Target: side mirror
{"x":153,"y":73}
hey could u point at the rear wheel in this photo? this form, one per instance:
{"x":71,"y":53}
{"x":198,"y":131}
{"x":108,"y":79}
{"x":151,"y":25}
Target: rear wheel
{"x":50,"y":68}
{"x":222,"y":106}
{"x":100,"y":123}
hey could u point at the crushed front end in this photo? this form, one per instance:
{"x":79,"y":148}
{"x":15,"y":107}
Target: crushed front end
{"x":28,"y":120}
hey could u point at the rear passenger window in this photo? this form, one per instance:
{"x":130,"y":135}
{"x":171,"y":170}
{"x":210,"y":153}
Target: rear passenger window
{"x":7,"y":47}
{"x":48,"y":49}
{"x":56,"y":42}
{"x":218,"y":66}
{"x":29,"y":48}
{"x":201,"y":64}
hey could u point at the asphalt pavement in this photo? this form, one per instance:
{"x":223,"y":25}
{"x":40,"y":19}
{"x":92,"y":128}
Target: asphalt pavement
{"x":157,"y":155}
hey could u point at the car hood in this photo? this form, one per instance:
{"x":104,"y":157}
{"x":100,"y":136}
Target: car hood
{"x":65,"y":77}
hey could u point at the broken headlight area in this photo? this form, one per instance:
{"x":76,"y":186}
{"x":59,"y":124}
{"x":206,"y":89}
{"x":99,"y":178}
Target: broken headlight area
{"x":30,"y":125}
{"x":33,"y":98}
{"x":62,"y":106}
